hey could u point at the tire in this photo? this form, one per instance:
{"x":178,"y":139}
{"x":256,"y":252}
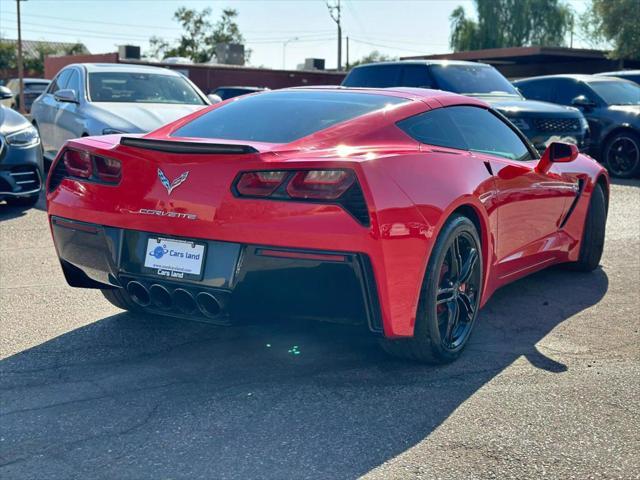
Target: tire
{"x":118,"y":299}
{"x":25,"y":202}
{"x":594,"y":233}
{"x":445,"y":291}
{"x":621,"y":155}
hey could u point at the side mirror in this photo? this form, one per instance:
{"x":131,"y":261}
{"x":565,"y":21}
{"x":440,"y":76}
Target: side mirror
{"x":582,"y":101}
{"x":5,"y":93}
{"x":557,"y":152}
{"x":66,"y":95}
{"x":213,"y":98}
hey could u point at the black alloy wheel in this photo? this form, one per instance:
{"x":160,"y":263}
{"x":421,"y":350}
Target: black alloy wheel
{"x":458,"y":291}
{"x":449,"y":299}
{"x":622,"y":155}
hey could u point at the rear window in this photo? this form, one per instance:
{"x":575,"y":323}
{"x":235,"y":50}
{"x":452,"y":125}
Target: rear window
{"x":36,"y":87}
{"x":282,"y":117}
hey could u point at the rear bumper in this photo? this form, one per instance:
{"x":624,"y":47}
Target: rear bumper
{"x":248,"y":281}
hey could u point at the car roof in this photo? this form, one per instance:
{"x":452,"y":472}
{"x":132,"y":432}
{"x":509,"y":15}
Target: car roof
{"x":578,"y":77}
{"x":410,"y":93}
{"x":31,"y":80}
{"x":240,"y":86}
{"x":425,"y":62}
{"x":619,"y":72}
{"x":125,"y":67}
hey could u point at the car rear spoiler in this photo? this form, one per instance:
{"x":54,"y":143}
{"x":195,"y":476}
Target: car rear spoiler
{"x":172,"y":146}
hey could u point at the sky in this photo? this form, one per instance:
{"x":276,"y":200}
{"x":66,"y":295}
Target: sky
{"x":279,"y":32}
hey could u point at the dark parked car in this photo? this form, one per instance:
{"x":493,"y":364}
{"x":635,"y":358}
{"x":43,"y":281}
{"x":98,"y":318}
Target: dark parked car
{"x":21,"y":174}
{"x":33,"y":88}
{"x":542,"y":123}
{"x":229,"y":92}
{"x":612,"y":108}
{"x":633,"y":75}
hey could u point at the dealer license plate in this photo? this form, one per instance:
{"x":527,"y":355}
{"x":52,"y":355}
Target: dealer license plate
{"x":174,"y":258}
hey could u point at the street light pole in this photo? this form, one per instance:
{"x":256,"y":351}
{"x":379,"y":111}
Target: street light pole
{"x":284,"y":48}
{"x":334,"y":11}
{"x":20,"y":64}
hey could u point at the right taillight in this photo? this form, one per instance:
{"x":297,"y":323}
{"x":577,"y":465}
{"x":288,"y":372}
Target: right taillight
{"x":320,"y":184}
{"x":337,"y":186}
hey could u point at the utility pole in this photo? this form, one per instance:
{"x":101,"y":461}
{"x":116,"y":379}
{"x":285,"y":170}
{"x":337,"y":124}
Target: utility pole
{"x":284,"y":50}
{"x":20,"y":65}
{"x":334,"y":11}
{"x":347,"y":62}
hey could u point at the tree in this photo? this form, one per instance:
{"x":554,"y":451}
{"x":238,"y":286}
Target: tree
{"x":373,"y":57}
{"x":616,"y":22}
{"x":199,"y":37}
{"x":510,"y":23}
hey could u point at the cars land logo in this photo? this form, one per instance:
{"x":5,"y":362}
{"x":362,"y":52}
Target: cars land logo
{"x":170,"y":186}
{"x":158,"y":252}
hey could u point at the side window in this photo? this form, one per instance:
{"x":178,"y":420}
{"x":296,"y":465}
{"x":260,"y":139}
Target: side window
{"x":484,"y":132}
{"x":74,"y":83}
{"x":434,"y":127}
{"x":60,"y":81}
{"x":537,"y":90}
{"x":416,"y":76}
{"x":566,"y":90}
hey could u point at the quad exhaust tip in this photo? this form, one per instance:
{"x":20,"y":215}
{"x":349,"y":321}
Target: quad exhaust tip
{"x":138,"y":293}
{"x":160,"y":297}
{"x":208,"y":304}
{"x":184,"y":301}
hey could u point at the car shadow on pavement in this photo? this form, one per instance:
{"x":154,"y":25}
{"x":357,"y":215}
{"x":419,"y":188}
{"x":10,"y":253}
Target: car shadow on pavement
{"x":148,"y":397}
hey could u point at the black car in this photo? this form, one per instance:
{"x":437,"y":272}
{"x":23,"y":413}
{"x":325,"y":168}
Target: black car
{"x":33,"y":88}
{"x":21,"y":171}
{"x":633,"y":75}
{"x":229,"y":92}
{"x":612,"y":108}
{"x":541,"y":122}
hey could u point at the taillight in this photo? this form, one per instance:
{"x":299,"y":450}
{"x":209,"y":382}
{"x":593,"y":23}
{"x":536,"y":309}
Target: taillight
{"x":260,"y":184}
{"x":78,"y":163}
{"x":108,"y":170}
{"x":336,"y":186}
{"x":320,"y":184}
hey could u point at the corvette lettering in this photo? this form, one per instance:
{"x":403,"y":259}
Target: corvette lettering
{"x":165,"y":213}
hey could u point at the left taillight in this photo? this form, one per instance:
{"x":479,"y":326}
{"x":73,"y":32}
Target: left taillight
{"x":79,"y":164}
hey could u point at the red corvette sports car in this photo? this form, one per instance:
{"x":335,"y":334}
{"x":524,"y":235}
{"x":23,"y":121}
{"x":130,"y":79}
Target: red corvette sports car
{"x":399,"y":209}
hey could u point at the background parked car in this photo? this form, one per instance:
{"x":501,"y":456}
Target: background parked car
{"x":229,"y":92}
{"x":99,"y":99}
{"x":33,"y":88}
{"x":612,"y":108}
{"x":633,"y":75}
{"x":21,"y":172}
{"x":542,"y":123}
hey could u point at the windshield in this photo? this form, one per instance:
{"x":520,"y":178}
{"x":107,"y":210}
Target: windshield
{"x":282,"y":117}
{"x":472,"y":79}
{"x":617,"y":92}
{"x":36,"y":87}
{"x":129,"y":87}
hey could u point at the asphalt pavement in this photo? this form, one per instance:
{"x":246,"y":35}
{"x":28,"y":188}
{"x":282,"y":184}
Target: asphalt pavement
{"x":548,"y":388}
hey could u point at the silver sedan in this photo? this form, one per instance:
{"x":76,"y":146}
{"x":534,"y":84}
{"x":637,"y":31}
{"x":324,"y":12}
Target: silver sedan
{"x":99,"y":99}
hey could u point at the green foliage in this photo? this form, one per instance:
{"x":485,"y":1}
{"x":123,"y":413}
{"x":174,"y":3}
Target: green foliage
{"x":7,"y":55}
{"x":373,"y":57}
{"x":616,"y":22}
{"x":510,"y":23}
{"x":199,"y":36}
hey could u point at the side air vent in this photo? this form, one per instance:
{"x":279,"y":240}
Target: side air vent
{"x":171,"y":146}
